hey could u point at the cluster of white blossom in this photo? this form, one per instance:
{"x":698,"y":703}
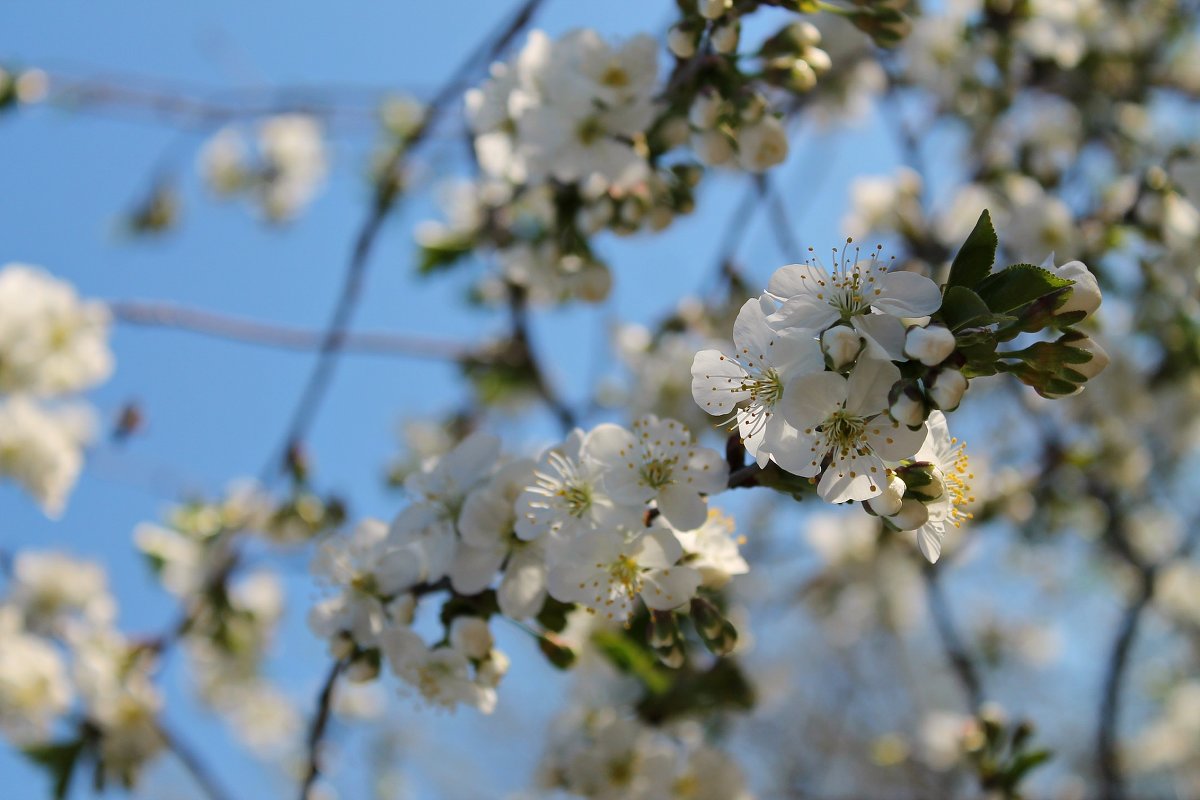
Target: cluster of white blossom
{"x":52,"y":344}
{"x":281,"y":173}
{"x":605,"y":518}
{"x":567,"y":110}
{"x":813,"y":385}
{"x":62,"y":654}
{"x":598,"y":753}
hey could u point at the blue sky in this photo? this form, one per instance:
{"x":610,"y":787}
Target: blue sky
{"x":215,"y":410}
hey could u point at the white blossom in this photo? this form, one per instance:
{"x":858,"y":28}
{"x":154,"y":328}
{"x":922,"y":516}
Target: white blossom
{"x":610,"y":568}
{"x":568,"y":497}
{"x":658,"y":461}
{"x":814,"y":299}
{"x":41,"y":448}
{"x":846,"y":421}
{"x":713,"y":550}
{"x":51,"y":341}
{"x":751,"y":383}
{"x":34,"y":689}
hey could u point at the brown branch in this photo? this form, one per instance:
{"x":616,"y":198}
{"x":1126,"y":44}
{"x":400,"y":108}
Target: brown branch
{"x":952,"y":643}
{"x":387,"y":195}
{"x":316,"y":732}
{"x":241,"y":329}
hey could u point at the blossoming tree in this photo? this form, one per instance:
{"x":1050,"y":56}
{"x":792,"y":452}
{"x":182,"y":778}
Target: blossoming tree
{"x":724,"y":546}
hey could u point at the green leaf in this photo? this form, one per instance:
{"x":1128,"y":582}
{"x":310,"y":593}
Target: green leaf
{"x":975,"y":258}
{"x":1018,"y":286}
{"x":963,"y":308}
{"x":58,"y":759}
{"x":633,"y":658}
{"x":1025,"y":762}
{"x":443,"y":255}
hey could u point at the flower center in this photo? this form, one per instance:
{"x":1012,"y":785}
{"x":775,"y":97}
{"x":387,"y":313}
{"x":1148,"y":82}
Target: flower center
{"x":658,"y":473}
{"x":844,"y":431}
{"x":577,"y":497}
{"x":615,"y":77}
{"x":765,"y":388}
{"x":957,"y":481}
{"x":589,"y":131}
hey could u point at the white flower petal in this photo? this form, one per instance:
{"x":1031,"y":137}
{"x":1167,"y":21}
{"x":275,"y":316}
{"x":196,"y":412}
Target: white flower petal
{"x":907,"y":294}
{"x":810,"y":399}
{"x":682,"y":506}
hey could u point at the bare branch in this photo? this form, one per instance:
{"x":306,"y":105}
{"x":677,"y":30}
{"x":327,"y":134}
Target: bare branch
{"x":316,"y":732}
{"x":387,"y":195}
{"x":241,"y":329}
{"x":191,"y":761}
{"x":952,"y":643}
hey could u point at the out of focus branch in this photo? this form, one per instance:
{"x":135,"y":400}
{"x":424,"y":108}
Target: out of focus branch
{"x":192,"y":107}
{"x":955,"y":649}
{"x":387,"y":196}
{"x":241,"y":329}
{"x":1116,"y":672}
{"x":316,"y":732}
{"x":196,"y":768}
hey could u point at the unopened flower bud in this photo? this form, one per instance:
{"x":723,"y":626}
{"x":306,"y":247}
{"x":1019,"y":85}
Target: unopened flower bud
{"x":947,"y":389}
{"x":705,"y":110}
{"x":841,"y":345}
{"x":912,"y":515}
{"x":1088,"y":369}
{"x":802,"y":77}
{"x":888,"y":503}
{"x":908,"y":407}
{"x":818,"y":59}
{"x":930,"y":345}
{"x":364,"y":667}
{"x":492,"y":669}
{"x":713,"y":148}
{"x":1085,"y":294}
{"x":471,"y":637}
{"x":681,"y":43}
{"x":762,"y":145}
{"x":674,"y":132}
{"x":725,"y":38}
{"x":713,"y":9}
{"x":924,"y":481}
{"x":1091,"y":369}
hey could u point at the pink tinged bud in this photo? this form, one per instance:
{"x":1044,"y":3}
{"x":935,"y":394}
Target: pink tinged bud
{"x":681,"y":43}
{"x":931,"y":345}
{"x":890,"y":501}
{"x":947,"y":389}
{"x":912,"y":515}
{"x":841,"y":345}
{"x":908,"y":410}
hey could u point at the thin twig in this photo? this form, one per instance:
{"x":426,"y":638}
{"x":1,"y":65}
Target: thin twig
{"x":241,"y":329}
{"x":1107,"y":758}
{"x":517,"y":305}
{"x":387,"y":196}
{"x":777,"y":213}
{"x":316,"y":732}
{"x":191,"y":761}
{"x":952,"y":644}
